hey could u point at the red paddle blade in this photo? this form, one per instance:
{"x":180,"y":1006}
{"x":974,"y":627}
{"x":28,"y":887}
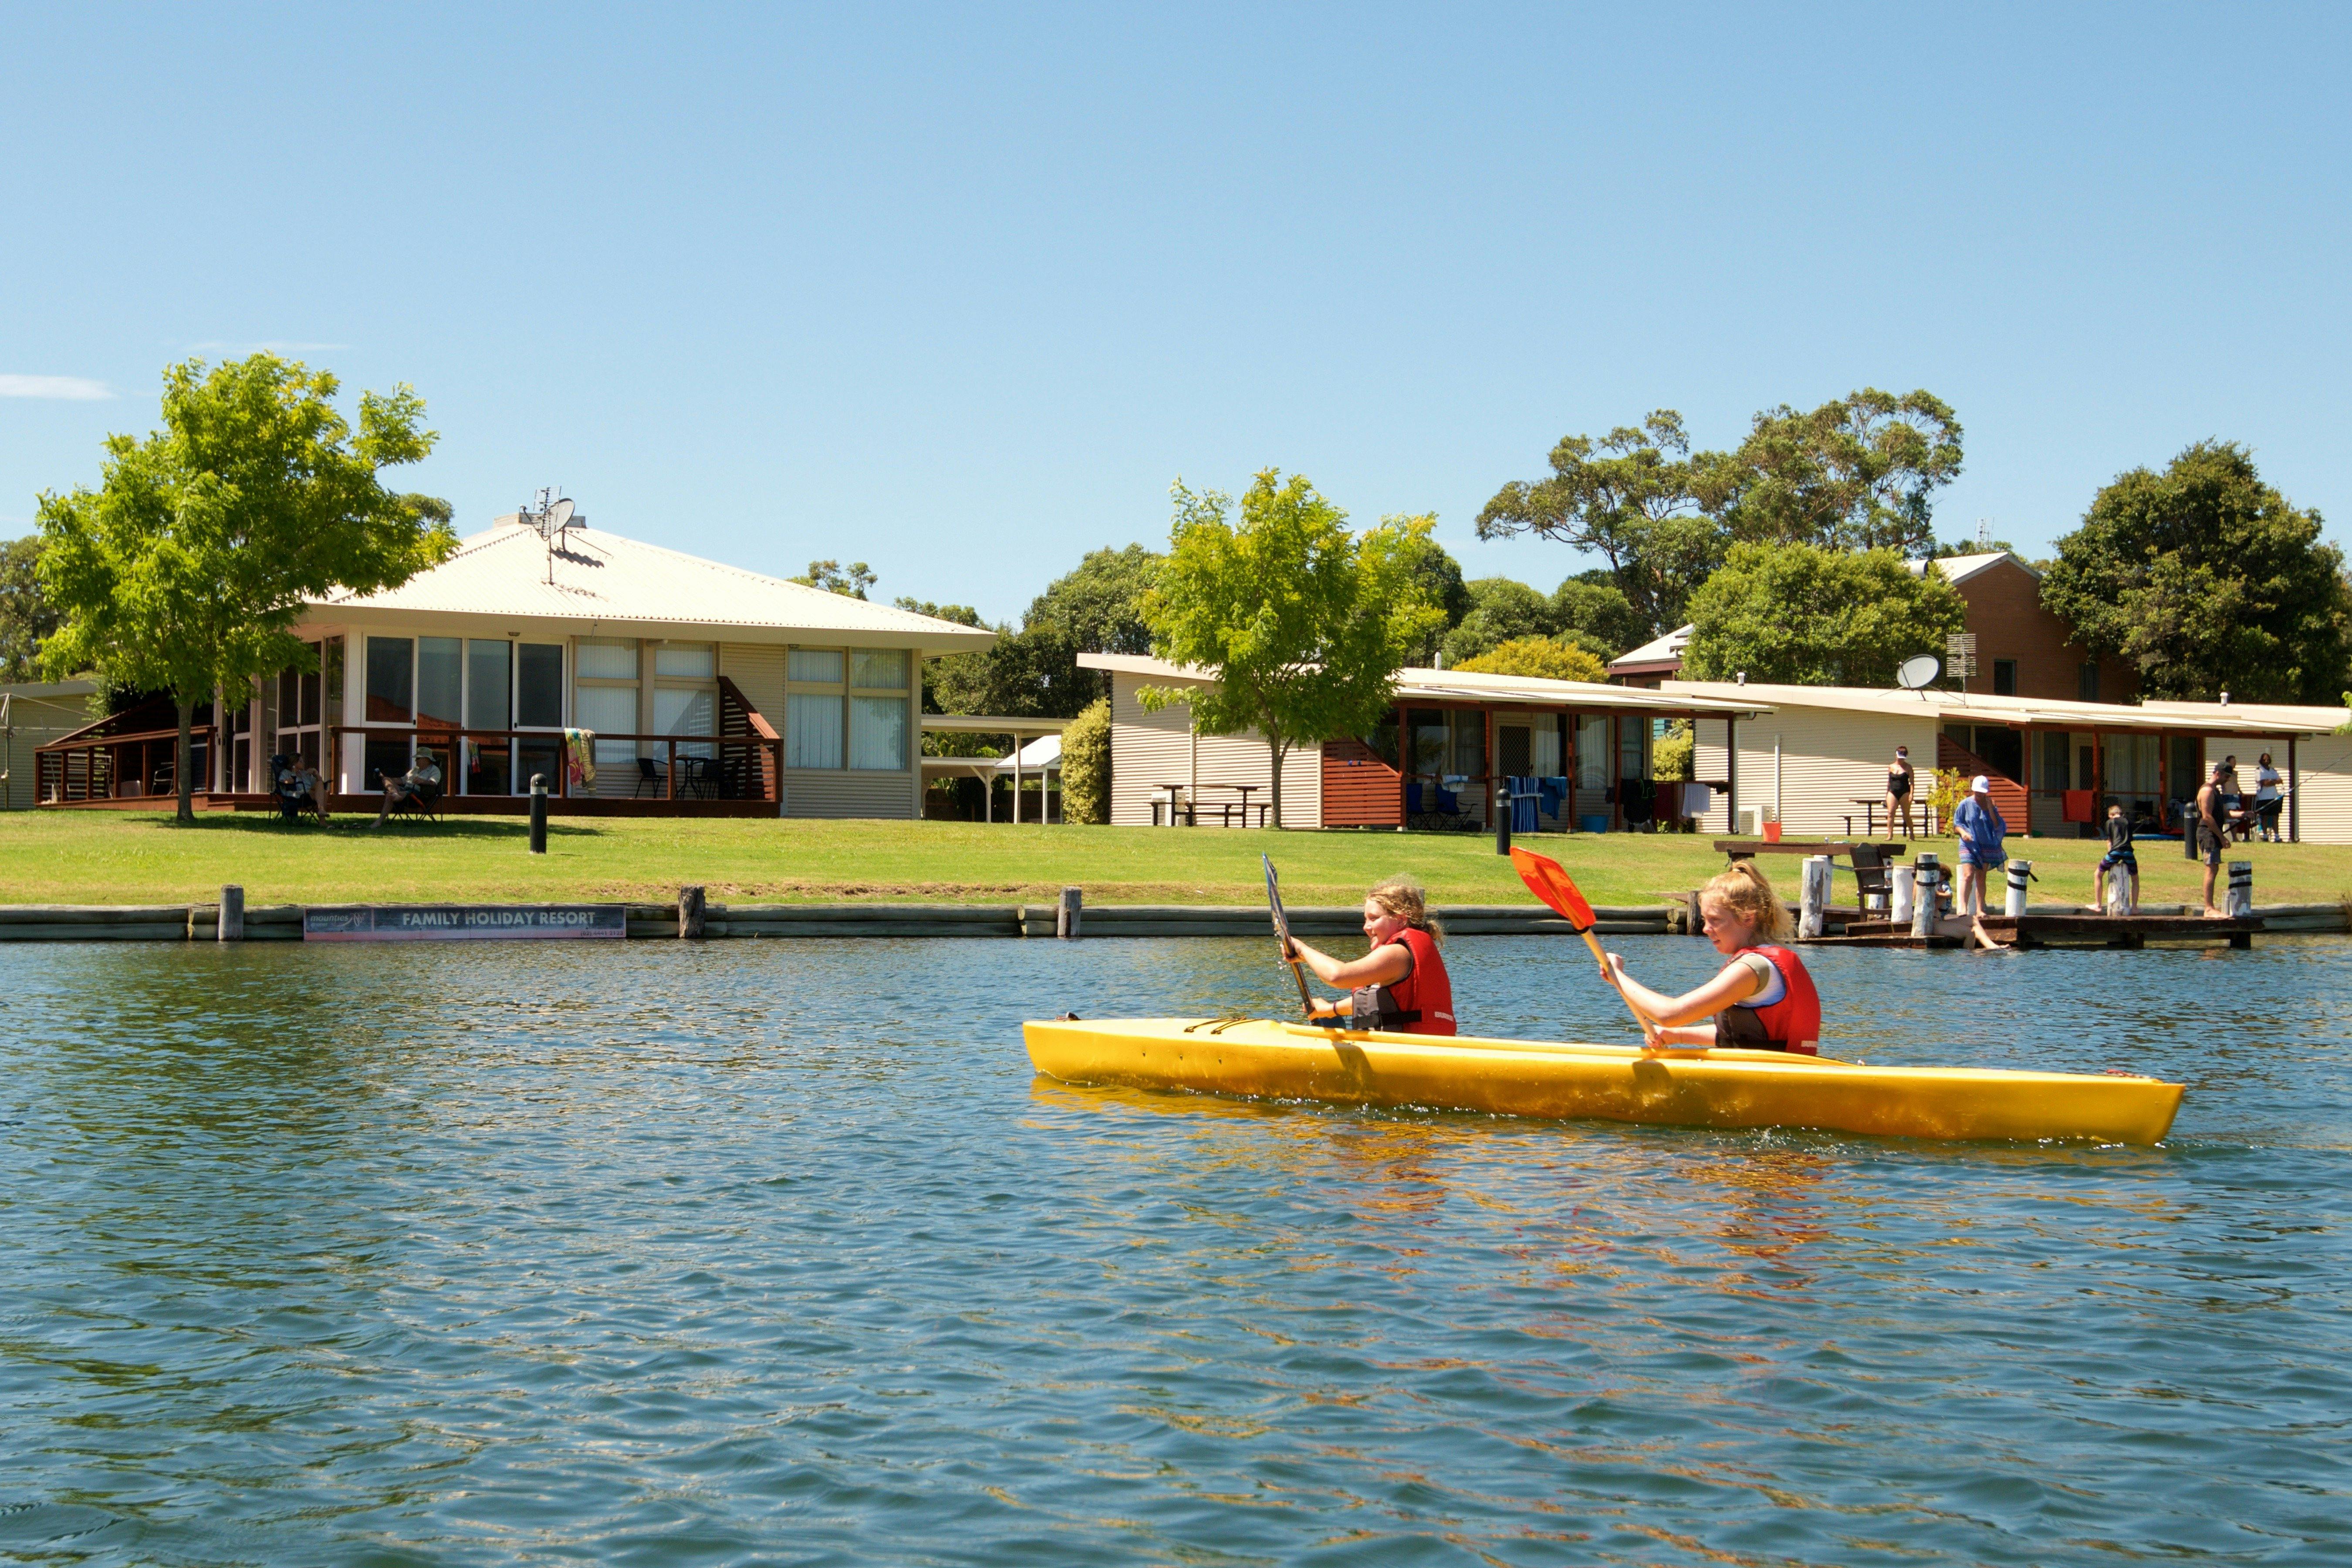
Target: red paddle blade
{"x":1547,"y":881}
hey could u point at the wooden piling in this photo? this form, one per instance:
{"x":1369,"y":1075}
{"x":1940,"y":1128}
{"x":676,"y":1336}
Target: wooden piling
{"x":689,"y":914}
{"x":232,"y":914}
{"x":1066,"y":920}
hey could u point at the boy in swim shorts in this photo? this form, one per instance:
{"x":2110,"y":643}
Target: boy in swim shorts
{"x":2118,"y":858}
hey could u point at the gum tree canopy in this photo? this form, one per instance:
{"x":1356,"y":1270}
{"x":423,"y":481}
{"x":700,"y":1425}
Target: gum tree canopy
{"x":183,"y":569}
{"x":2208,"y":580}
{"x":1303,"y":623}
{"x":1800,"y":615}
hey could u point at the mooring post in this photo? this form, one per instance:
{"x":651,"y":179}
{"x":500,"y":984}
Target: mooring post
{"x":232,"y":914}
{"x":2020,"y":873}
{"x":2123,"y":892}
{"x":1502,"y":816}
{"x":1923,"y":899}
{"x":1899,"y":896}
{"x":689,"y":914}
{"x":2241,"y":889}
{"x":539,"y":813}
{"x":1066,"y":915}
{"x":1693,"y":920}
{"x":1813,"y":897}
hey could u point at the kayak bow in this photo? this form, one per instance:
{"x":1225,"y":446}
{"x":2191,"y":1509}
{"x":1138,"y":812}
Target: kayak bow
{"x":1712,"y":1088}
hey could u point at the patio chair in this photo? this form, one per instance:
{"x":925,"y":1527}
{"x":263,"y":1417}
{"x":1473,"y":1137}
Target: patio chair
{"x":1874,"y":879}
{"x":650,"y":776}
{"x":423,"y":802}
{"x":291,"y":801}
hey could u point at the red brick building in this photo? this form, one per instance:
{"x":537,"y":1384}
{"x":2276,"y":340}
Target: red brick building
{"x":2023,"y":650}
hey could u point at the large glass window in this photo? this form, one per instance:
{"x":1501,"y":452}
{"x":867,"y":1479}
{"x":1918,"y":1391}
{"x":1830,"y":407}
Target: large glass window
{"x":609,"y":710}
{"x":489,"y":685}
{"x":539,"y":686}
{"x":390,"y":695}
{"x":2132,"y":765}
{"x":686,"y":662}
{"x":877,"y":733}
{"x":1592,"y":752}
{"x":608,"y":660}
{"x":440,"y":682}
{"x":822,"y":665}
{"x":1469,"y":745}
{"x":881,"y":668}
{"x":811,"y":730}
{"x":1429,"y":740}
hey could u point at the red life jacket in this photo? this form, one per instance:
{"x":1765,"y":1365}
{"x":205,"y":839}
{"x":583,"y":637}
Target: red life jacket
{"x":1420,"y":1004}
{"x":1794,"y":1022}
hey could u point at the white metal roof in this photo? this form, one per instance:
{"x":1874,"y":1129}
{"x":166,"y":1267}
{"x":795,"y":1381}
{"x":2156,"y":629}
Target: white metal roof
{"x":1667,"y":649}
{"x":1465,"y":686}
{"x":623,"y":587}
{"x":1957,"y":569}
{"x":1983,"y":707}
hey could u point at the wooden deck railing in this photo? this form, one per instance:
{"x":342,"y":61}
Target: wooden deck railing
{"x":86,"y":767}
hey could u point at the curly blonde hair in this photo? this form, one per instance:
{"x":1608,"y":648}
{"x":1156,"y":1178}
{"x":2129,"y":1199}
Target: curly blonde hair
{"x":1744,"y":892}
{"x":1405,"y":898}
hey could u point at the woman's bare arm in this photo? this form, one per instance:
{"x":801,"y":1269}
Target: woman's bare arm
{"x":1734,"y":982}
{"x":1384,"y":965}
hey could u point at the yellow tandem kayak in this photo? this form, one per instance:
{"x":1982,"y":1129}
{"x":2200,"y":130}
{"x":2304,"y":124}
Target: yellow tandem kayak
{"x":1714,"y":1087}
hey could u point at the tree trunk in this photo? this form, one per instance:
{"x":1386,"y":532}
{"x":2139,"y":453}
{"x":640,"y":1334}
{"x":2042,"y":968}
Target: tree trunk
{"x":1274,"y":747}
{"x":181,"y":771}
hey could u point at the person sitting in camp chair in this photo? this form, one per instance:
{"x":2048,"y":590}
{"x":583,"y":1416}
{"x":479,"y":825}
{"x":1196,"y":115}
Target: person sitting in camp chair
{"x":417,"y":790}
{"x":284,"y":789}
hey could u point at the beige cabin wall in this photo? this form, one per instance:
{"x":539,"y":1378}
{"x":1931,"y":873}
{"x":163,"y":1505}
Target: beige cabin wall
{"x":1152,"y":750}
{"x":758,"y":671}
{"x":1827,"y":755}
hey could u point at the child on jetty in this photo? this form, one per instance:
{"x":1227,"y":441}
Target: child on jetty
{"x":1763,"y":999}
{"x":2120,"y":859}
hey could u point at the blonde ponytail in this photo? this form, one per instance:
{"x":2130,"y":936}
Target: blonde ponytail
{"x":1404,"y":898}
{"x":1744,"y":892}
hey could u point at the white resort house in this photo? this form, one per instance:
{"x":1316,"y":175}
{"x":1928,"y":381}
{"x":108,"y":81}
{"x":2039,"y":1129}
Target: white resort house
{"x":687,"y":686}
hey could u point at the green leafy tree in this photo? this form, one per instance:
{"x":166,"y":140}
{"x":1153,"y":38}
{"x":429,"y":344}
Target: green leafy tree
{"x":1501,"y":611}
{"x":184,"y":570}
{"x":850,"y":582}
{"x":1801,"y":615}
{"x":26,"y":613}
{"x":1302,"y":623}
{"x":1675,"y":754}
{"x":2207,"y":580}
{"x":1541,"y":657}
{"x":1858,"y":473}
{"x":1085,"y":765}
{"x":1639,"y":500}
{"x":1095,"y":608}
{"x":1591,"y":610}
{"x":1438,"y":578}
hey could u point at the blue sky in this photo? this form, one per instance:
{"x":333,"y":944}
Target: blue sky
{"x":960,"y":292}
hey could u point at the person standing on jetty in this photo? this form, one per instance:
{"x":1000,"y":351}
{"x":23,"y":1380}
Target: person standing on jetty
{"x":1900,"y":775}
{"x":1762,"y":1000}
{"x":1401,"y":982}
{"x":2212,"y":829}
{"x":2120,"y":860}
{"x":1978,"y":822}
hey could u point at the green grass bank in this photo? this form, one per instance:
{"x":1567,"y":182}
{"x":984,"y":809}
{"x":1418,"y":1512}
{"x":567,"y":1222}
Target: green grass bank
{"x":122,"y":858}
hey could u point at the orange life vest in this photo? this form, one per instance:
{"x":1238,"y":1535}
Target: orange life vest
{"x":1794,"y":1022}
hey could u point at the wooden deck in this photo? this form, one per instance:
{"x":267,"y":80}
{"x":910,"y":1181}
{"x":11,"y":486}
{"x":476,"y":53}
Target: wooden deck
{"x":366,"y":805}
{"x":2044,"y":930}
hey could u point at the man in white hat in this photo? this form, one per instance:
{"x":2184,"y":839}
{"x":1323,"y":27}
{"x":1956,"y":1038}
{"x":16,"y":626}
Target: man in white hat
{"x":1980,"y":828}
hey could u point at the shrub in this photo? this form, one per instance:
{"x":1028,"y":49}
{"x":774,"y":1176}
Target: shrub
{"x":1085,"y":765}
{"x":1538,"y":656}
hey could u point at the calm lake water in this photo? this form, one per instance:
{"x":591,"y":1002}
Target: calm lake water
{"x":776,"y":1252}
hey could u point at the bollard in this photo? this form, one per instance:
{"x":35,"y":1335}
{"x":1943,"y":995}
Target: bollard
{"x":1813,"y":898}
{"x":232,"y":914}
{"x":1066,"y":918}
{"x":539,"y":813}
{"x":2020,"y":873}
{"x":2240,"y":897}
{"x":1898,"y":897}
{"x":1502,"y":816}
{"x":1693,"y":918}
{"x":689,"y":914}
{"x":2122,"y":892}
{"x":1927,"y":888}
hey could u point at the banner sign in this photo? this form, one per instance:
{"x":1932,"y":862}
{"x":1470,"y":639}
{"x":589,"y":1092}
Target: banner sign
{"x":466,"y":922}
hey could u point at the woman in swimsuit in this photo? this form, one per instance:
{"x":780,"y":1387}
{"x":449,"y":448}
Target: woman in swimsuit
{"x":1898,"y":790}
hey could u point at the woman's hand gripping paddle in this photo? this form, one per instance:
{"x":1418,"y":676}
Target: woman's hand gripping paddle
{"x":1281,"y":936}
{"x":1548,"y":880}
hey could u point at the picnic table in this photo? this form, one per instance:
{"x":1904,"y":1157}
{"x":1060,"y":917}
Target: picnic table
{"x":1871,"y":805}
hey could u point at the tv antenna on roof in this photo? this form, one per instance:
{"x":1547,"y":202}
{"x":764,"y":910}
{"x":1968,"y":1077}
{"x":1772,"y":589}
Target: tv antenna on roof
{"x":550,"y":517}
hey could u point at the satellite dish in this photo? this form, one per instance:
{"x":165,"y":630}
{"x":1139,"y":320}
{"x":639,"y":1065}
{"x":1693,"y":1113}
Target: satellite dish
{"x":559,"y":516}
{"x":1917,"y":671}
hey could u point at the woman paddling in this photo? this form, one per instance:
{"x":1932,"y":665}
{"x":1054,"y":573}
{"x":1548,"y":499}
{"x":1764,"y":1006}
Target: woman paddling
{"x":1762,"y":1000}
{"x":1401,"y":982}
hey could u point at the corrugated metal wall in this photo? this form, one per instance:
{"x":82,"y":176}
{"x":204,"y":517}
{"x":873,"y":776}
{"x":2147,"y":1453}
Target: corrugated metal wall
{"x":758,"y":671}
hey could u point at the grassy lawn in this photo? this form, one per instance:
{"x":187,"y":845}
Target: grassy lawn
{"x":123,"y":858}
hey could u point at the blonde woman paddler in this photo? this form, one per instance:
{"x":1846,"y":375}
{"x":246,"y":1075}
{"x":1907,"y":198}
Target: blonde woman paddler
{"x":1401,"y":983}
{"x":1762,"y":1000}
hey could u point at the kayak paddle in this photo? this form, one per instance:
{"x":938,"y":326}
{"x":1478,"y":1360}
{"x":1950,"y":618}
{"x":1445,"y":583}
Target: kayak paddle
{"x":1549,"y":880}
{"x":1282,"y":935}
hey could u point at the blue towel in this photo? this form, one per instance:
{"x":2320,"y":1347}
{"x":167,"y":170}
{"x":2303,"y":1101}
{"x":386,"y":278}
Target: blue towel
{"x":1554,"y":790}
{"x":1524,"y":800}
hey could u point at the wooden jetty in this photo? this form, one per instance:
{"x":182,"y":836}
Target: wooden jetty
{"x":2056,"y":930}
